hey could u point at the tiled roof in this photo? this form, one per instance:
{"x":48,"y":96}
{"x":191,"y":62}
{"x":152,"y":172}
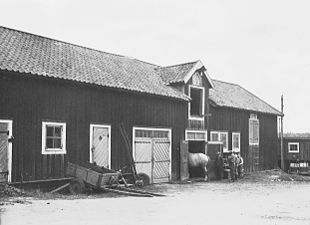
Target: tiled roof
{"x":175,"y":73}
{"x":31,"y":54}
{"x":234,"y":96}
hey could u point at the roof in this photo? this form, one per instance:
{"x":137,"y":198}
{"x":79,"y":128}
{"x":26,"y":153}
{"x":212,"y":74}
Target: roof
{"x":32,"y":54}
{"x":226,"y":94}
{"x":181,"y":72}
{"x":302,"y":136}
{"x":175,"y":73}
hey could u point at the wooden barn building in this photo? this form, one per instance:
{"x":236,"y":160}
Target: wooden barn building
{"x":244,"y":123}
{"x":62,"y":103}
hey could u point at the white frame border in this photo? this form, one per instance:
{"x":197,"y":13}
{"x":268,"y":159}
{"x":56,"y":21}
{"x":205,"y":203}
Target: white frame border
{"x":160,"y":129}
{"x":10,"y":127}
{"x":197,"y":131}
{"x":293,"y":143}
{"x":54,"y":151}
{"x":92,"y":125}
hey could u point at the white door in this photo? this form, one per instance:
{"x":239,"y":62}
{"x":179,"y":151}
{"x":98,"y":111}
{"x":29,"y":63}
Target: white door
{"x":5,"y":150}
{"x":100,"y":145}
{"x":152,"y":153}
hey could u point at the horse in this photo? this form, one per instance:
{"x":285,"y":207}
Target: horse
{"x":199,"y":160}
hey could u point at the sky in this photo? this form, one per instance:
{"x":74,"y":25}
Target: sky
{"x":264,"y":46}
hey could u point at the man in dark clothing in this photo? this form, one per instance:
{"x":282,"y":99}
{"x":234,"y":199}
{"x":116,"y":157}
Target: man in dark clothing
{"x":219,"y":163}
{"x":232,"y":166}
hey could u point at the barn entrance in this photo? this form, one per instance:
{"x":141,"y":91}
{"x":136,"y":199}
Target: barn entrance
{"x":5,"y":150}
{"x":100,"y":145}
{"x":196,"y":147}
{"x":197,"y":140}
{"x":152,"y":153}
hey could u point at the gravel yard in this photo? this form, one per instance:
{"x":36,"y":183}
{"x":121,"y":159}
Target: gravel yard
{"x":268,"y":197}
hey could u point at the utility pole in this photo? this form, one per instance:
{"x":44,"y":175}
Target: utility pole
{"x":281,"y":136}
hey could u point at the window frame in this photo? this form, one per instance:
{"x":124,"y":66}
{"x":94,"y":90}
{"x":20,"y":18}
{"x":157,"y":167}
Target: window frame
{"x":219,"y":139}
{"x":293,"y":143}
{"x":54,"y":151}
{"x":253,"y":118}
{"x":232,"y":141}
{"x":195,"y":117}
{"x":196,"y":131}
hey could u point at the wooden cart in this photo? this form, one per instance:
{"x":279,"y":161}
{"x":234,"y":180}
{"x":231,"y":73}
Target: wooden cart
{"x":83,"y":177}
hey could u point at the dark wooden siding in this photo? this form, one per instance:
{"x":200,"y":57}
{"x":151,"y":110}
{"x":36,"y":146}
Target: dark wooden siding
{"x":304,"y":149}
{"x":30,"y":100}
{"x":233,"y":120}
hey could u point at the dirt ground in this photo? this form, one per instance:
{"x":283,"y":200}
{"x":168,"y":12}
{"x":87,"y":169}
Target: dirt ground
{"x":268,"y":197}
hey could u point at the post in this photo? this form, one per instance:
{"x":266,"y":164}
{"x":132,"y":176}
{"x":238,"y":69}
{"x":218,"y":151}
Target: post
{"x":281,"y":136}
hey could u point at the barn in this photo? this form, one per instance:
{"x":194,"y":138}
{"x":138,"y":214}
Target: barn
{"x":62,"y":103}
{"x":296,"y":152}
{"x":244,"y":123}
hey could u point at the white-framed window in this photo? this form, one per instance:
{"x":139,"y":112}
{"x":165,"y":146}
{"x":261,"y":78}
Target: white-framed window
{"x":253,"y":130}
{"x":53,"y":138}
{"x":235,"y":139}
{"x":196,"y":135}
{"x":197,"y":103}
{"x":220,"y":136}
{"x":293,"y":147}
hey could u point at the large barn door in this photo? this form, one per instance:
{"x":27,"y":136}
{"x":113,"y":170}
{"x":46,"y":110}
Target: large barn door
{"x":161,"y":160}
{"x":151,"y":152}
{"x":5,"y":150}
{"x":100,"y":145}
{"x":143,"y":156}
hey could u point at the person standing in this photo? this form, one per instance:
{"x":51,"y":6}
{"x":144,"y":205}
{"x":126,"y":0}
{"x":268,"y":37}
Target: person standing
{"x":239,"y":162}
{"x":219,"y":162}
{"x":232,"y":166}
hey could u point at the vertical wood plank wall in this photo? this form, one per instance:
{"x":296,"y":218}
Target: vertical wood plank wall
{"x":234,"y":120}
{"x":304,"y":149}
{"x":30,"y":100}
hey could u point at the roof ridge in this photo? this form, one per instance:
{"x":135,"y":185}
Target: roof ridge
{"x":65,"y":42}
{"x":182,"y":64}
{"x":225,"y":82}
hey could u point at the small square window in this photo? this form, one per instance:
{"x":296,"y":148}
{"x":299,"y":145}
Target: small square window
{"x":293,"y":147}
{"x":53,"y":138}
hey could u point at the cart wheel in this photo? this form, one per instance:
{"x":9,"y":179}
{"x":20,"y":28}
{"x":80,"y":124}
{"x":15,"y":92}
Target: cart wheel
{"x":145,"y":179}
{"x":113,"y":181}
{"x":77,"y":186}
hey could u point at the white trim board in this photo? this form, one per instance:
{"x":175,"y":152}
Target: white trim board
{"x":10,"y":127}
{"x":91,"y":141}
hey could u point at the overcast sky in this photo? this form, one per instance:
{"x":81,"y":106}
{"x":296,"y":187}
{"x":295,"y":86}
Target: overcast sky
{"x":262,"y":45}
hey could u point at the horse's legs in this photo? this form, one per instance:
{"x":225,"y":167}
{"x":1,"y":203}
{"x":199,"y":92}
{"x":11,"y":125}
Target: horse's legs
{"x":205,"y":170}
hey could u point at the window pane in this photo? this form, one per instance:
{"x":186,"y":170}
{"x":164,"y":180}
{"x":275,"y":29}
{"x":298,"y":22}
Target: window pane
{"x":214,"y":137}
{"x":236,"y":144}
{"x":57,"y":143}
{"x":57,"y":132}
{"x":196,"y":102}
{"x":49,"y":143}
{"x":49,"y":131}
{"x":223,"y":139}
